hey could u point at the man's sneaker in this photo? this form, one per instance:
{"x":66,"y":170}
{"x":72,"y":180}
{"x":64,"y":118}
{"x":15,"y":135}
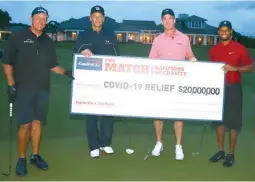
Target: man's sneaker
{"x":94,"y":153}
{"x":157,"y":149}
{"x":229,"y":160}
{"x":179,"y":155}
{"x":220,"y":155}
{"x":38,"y":162}
{"x":107,"y":150}
{"x":21,"y":167}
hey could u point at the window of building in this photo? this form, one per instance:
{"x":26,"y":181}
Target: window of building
{"x":196,"y":24}
{"x":210,"y":40}
{"x":74,"y":35}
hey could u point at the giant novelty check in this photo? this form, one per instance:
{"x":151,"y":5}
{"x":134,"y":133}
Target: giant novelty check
{"x":143,"y":87}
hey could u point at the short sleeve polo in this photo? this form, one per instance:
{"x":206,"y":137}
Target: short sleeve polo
{"x":32,"y":58}
{"x":234,"y":54}
{"x":176,"y":47}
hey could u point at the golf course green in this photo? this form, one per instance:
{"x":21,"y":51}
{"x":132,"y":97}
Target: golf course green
{"x":64,"y":142}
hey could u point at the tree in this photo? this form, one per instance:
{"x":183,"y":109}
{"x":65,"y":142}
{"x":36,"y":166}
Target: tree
{"x":68,"y":21}
{"x":4,"y":19}
{"x":53,"y":27}
{"x":248,"y":42}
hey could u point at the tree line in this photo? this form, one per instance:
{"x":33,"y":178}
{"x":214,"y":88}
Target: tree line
{"x":5,"y":21}
{"x":54,"y":27}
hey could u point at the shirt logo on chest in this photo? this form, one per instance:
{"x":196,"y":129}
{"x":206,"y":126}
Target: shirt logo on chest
{"x":231,"y":53}
{"x":29,"y":41}
{"x":107,"y":42}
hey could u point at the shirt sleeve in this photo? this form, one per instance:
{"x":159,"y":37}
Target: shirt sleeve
{"x":81,"y":44}
{"x":153,"y":52}
{"x":245,"y":58}
{"x":9,"y":52}
{"x":211,"y":58}
{"x":188,"y":53}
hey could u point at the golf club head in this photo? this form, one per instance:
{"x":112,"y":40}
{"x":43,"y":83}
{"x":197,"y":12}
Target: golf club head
{"x":146,"y":157}
{"x":195,"y":153}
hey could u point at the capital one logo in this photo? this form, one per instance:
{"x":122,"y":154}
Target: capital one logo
{"x":89,"y":64}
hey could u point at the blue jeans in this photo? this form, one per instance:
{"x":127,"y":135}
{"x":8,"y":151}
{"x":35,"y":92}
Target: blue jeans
{"x":96,"y":140}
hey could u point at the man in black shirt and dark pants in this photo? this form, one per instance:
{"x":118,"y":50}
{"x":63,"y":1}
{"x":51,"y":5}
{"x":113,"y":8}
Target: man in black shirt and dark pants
{"x":100,"y":41}
{"x":28,"y":58}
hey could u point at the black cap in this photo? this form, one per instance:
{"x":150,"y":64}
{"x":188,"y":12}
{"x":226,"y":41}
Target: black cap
{"x":38,"y":10}
{"x":226,"y":24}
{"x":167,"y":11}
{"x":99,"y":9}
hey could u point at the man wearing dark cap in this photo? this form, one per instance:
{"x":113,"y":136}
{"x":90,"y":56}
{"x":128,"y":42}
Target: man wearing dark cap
{"x":174,"y":45}
{"x":237,"y":61}
{"x":28,"y":58}
{"x":98,"y":40}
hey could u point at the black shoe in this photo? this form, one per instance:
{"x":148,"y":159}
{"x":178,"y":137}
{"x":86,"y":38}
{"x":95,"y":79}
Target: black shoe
{"x":38,"y":162}
{"x":218,"y":156}
{"x":229,"y":160}
{"x":21,"y":167}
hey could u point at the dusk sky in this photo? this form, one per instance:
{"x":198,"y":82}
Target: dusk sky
{"x":241,"y":14}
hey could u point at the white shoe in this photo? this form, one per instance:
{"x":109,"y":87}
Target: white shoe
{"x":179,"y":155}
{"x":94,"y":153}
{"x":157,"y":149}
{"x":107,"y":150}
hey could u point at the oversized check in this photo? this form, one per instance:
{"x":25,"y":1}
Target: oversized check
{"x":143,"y":87}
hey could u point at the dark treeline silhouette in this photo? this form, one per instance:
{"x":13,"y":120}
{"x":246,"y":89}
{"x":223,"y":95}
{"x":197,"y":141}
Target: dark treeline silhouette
{"x":55,"y":27}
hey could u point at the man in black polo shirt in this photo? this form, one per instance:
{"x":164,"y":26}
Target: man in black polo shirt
{"x":98,"y":40}
{"x":28,"y":58}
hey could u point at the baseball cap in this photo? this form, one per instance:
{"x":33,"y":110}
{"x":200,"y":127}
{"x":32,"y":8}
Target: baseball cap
{"x":38,"y":10}
{"x":99,"y":9}
{"x":226,"y":24}
{"x":167,"y":11}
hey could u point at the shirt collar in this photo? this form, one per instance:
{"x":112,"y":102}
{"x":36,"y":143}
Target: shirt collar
{"x":93,"y":31}
{"x":230,"y":42}
{"x":176,"y":33}
{"x":31,"y":33}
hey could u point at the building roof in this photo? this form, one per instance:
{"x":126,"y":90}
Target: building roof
{"x":84,"y":23}
{"x":192,"y":17}
{"x":180,"y":25}
{"x":137,"y":25}
{"x":14,"y":28}
{"x":139,"y":22}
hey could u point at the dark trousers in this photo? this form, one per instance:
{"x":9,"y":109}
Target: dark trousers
{"x":233,"y":107}
{"x":96,"y":140}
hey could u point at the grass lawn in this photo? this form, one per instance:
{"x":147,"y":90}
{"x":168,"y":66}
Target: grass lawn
{"x":64,"y":142}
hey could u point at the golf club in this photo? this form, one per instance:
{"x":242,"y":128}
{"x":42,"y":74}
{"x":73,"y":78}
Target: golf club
{"x":10,"y":142}
{"x":149,"y":149}
{"x":147,"y":155}
{"x":200,"y":143}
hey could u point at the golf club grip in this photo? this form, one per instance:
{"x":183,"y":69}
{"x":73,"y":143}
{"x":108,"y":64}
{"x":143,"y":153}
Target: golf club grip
{"x":10,"y":144}
{"x":10,"y":112}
